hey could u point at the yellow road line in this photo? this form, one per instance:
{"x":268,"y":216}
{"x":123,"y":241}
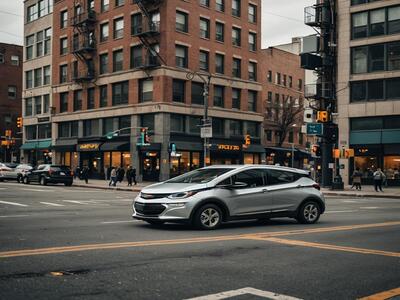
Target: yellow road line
{"x":64,"y":249}
{"x":383,"y":295}
{"x":328,"y":247}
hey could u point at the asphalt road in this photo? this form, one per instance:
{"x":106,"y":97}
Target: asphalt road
{"x":68,"y":242}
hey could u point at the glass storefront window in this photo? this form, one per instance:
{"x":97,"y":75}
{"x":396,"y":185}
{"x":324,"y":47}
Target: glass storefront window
{"x":367,"y":164}
{"x":107,"y":160}
{"x":195,"y":160}
{"x":248,"y":159}
{"x":116,"y":159}
{"x":184,"y":162}
{"x":392,"y":167}
{"x":126,"y":159}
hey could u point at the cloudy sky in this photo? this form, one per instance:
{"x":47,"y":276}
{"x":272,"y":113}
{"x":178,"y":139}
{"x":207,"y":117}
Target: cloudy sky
{"x":281,"y":20}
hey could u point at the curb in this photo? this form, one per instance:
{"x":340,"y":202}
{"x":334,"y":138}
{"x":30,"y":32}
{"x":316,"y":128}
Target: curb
{"x":361,"y":195}
{"x":108,"y":188}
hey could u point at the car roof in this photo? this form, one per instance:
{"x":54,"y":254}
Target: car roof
{"x":259,"y":166}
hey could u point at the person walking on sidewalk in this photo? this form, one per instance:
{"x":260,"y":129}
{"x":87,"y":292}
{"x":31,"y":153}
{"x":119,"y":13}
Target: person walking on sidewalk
{"x":134,"y":176}
{"x":357,"y":179}
{"x":113,"y":176}
{"x":129,"y":175}
{"x":379,"y":176}
{"x":85,"y":174}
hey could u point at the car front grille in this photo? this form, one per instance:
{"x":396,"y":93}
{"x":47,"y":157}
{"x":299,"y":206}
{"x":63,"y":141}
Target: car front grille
{"x":149,"y":209}
{"x":153,"y":196}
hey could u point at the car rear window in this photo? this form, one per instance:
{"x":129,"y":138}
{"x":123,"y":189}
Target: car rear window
{"x":59,"y":168}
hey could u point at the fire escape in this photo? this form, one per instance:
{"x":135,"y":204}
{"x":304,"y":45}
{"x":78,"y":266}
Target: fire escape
{"x":147,"y":29}
{"x":83,"y":42}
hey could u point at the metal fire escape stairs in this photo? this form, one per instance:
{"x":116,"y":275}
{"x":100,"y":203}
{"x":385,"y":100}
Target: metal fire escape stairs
{"x":148,"y":33}
{"x":84,"y":41}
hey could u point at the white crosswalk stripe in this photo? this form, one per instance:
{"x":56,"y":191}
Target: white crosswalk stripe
{"x":51,"y":204}
{"x":13,"y":203}
{"x":76,"y":202}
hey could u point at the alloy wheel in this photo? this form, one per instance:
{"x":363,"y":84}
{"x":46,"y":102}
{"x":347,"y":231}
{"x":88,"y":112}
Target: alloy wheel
{"x":310,"y":212}
{"x":210,"y":217}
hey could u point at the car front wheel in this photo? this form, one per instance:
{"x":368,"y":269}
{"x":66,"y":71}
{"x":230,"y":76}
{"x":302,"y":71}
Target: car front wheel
{"x":25,"y":180}
{"x":309,"y":213}
{"x":208,"y":217}
{"x":43,"y":181}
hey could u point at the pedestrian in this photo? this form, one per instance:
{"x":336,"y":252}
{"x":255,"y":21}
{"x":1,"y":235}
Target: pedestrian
{"x":77,"y":172}
{"x":378,"y":179}
{"x":357,"y":179}
{"x":120,"y":174}
{"x":134,"y":176}
{"x":85,"y":174}
{"x":108,"y":173}
{"x":129,"y":175}
{"x":113,"y":176}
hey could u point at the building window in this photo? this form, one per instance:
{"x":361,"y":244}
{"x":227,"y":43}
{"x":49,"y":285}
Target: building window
{"x":392,"y":88}
{"x":46,"y":75}
{"x":39,"y":44}
{"x":253,"y":129}
{"x":252,"y":10}
{"x":147,"y":120}
{"x":219,"y":63}
{"x":218,"y":126}
{"x":300,"y":84}
{"x":360,"y":25}
{"x":252,"y":101}
{"x":177,"y":123}
{"x":376,"y":58}
{"x":178,"y":90}
{"x":359,"y":60}
{"x":47,"y":41}
{"x":375,"y":90}
{"x":252,"y":41}
{"x":284,"y":80}
{"x":235,"y":128}
{"x":46,"y":104}
{"x":218,"y":95}
{"x":181,"y":21}
{"x":236,"y":67}
{"x":104,"y":31}
{"x":236,"y":95}
{"x":220,"y":5}
{"x":236,"y":8}
{"x":236,"y":41}
{"x":103,"y":66}
{"x":120,"y":93}
{"x":278,"y":78}
{"x":136,"y":56}
{"x":291,"y":137}
{"x":393,"y":20}
{"x":1,"y":58}
{"x":37,"y":77}
{"x":31,"y":132}
{"x":103,"y":96}
{"x":146,"y":90}
{"x":77,"y":100}
{"x":181,"y":58}
{"x":14,"y":60}
{"x":393,"y":52}
{"x":28,"y":107}
{"x":32,"y":13}
{"x":136,"y":24}
{"x":204,"y":28}
{"x":203,"y":60}
{"x":90,"y":98}
{"x":268,"y":135}
{"x":119,"y":2}
{"x":38,"y":105}
{"x":105,"y":5}
{"x":252,"y":68}
{"x":219,"y":32}
{"x":377,"y":22}
{"x":12,"y":92}
{"x":63,"y":102}
{"x":197,"y":93}
{"x":63,"y":46}
{"x":269,"y":76}
{"x":63,"y":73}
{"x":28,"y":79}
{"x":29,"y":41}
{"x":91,"y":127}
{"x":64,"y":19}
{"x":290,"y":81}
{"x":194,"y":125}
{"x":118,"y":60}
{"x":204,"y":2}
{"x":118,"y":28}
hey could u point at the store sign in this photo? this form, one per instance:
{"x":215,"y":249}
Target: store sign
{"x":228,"y":147}
{"x":88,"y":147}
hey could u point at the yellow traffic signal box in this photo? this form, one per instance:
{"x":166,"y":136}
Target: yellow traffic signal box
{"x":322,"y":116}
{"x":247,"y":140}
{"x":19,"y":122}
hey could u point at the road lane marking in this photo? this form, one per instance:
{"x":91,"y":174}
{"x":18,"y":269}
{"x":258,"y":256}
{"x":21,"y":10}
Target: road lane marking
{"x":369,"y":207}
{"x":245,"y":291}
{"x":329,"y":247}
{"x":349,"y":201}
{"x":383,"y":295}
{"x":3,"y":189}
{"x":339,"y":211}
{"x":255,"y":236}
{"x":51,"y":204}
{"x":37,"y":190}
{"x":75,"y":202}
{"x":116,"y":222}
{"x":14,"y":216}
{"x":13,"y":203}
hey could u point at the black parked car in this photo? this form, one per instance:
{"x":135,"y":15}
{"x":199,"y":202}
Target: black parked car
{"x":45,"y":174}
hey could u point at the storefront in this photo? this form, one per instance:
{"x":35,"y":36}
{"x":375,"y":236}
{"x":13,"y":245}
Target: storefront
{"x":37,"y":152}
{"x":283,"y":156}
{"x":370,"y":157}
{"x":188,"y":157}
{"x":149,"y":157}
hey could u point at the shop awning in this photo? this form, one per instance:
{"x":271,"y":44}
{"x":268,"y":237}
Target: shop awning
{"x":65,"y":145}
{"x":182,"y":146}
{"x":36,"y":145}
{"x":115,"y":146}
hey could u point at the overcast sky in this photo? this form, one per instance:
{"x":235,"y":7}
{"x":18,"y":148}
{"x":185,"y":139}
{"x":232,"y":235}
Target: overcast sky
{"x":281,"y":20}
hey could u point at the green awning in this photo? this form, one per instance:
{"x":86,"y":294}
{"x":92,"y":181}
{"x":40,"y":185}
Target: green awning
{"x":36,"y":145}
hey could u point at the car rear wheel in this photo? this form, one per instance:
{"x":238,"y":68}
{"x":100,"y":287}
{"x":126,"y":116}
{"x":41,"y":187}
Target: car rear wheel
{"x":208,"y":217}
{"x":68,"y":183}
{"x":25,"y":180}
{"x":43,"y":181}
{"x":309,"y":213}
{"x":155,"y":222}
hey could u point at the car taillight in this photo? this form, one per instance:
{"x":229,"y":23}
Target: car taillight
{"x":316,"y":186}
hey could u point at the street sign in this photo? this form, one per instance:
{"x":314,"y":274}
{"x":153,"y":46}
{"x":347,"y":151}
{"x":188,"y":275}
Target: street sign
{"x":315,"y":129}
{"x":206,"y":132}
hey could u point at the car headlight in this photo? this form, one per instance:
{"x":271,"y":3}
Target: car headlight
{"x":182,"y":195}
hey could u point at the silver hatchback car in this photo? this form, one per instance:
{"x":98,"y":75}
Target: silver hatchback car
{"x":209,"y":196}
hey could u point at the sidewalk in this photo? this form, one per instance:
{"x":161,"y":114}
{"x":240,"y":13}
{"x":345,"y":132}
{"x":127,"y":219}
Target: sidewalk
{"x":367,"y":190}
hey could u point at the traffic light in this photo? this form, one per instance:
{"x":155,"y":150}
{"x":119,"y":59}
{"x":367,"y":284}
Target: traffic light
{"x":247,"y":140}
{"x":322,"y":116}
{"x":144,"y":136}
{"x":316,"y":150}
{"x":19,"y":122}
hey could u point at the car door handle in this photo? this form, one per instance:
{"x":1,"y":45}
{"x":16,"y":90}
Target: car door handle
{"x":299,"y":186}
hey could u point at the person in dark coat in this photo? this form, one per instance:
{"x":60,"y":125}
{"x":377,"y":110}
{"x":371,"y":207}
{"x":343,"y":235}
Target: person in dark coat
{"x":85,"y":174}
{"x":129,"y":175}
{"x":77,"y":172}
{"x":120,"y":174}
{"x":134,"y":176}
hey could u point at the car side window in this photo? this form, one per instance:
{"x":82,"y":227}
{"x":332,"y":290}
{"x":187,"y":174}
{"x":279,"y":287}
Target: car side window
{"x":280,"y":177}
{"x":226,"y":181}
{"x":41,"y":168}
{"x":252,"y":178}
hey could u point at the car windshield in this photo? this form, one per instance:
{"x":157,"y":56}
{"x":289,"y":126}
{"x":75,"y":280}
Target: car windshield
{"x":200,"y":176}
{"x":59,"y":168}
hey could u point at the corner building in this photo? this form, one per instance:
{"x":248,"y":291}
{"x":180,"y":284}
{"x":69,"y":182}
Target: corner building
{"x":368,"y":84}
{"x":119,"y":64}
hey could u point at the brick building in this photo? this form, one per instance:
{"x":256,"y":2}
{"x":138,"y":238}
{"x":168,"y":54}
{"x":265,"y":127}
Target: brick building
{"x":10,"y":99}
{"x":118,"y":64}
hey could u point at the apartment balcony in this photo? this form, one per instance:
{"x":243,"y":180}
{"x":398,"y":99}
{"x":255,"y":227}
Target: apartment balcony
{"x":84,"y":18}
{"x":84,"y":76}
{"x":85,"y":46}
